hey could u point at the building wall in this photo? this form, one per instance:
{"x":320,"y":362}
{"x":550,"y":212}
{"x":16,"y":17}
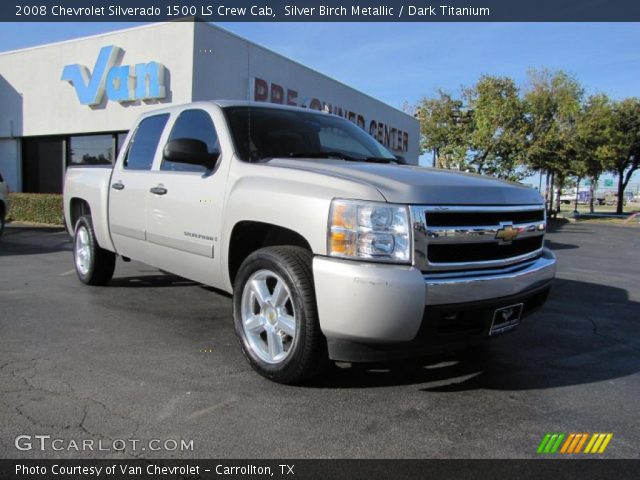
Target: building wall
{"x":10,"y":129}
{"x":202,"y":62}
{"x":10,"y":163}
{"x":220,"y":56}
{"x":50,"y":106}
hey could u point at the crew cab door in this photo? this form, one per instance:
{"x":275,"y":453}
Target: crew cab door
{"x":184,"y":206}
{"x":129,"y":188}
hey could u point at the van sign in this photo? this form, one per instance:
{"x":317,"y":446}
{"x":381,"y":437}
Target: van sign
{"x":121,"y":83}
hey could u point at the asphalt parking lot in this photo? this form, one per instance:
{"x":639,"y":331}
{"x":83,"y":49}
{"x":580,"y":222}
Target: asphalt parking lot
{"x":153,"y":356}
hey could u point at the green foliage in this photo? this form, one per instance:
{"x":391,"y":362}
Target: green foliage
{"x":444,"y":130}
{"x":491,"y":128}
{"x":498,"y":128}
{"x":593,"y":132}
{"x":495,"y":128}
{"x":553,"y":104}
{"x":624,"y":143}
{"x":36,"y":208}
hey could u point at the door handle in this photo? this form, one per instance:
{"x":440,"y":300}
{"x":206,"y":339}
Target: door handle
{"x":158,"y":190}
{"x":117,"y":186}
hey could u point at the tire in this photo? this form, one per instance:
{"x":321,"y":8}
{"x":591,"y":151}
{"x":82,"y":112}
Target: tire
{"x":275,"y":315}
{"x":94,"y":265}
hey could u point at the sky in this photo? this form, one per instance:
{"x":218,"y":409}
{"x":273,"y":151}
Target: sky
{"x":404,"y":62}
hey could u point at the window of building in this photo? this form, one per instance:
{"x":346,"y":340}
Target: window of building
{"x":43,"y":164}
{"x":45,"y":158}
{"x":91,"y":150}
{"x":195,"y":124}
{"x":120,"y":138}
{"x":144,"y":143}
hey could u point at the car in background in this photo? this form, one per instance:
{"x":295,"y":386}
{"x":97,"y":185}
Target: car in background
{"x":4,"y":202}
{"x":611,"y":198}
{"x":629,"y":197}
{"x":569,"y":197}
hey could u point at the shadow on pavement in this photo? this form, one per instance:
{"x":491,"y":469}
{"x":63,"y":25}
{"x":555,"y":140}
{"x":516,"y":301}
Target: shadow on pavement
{"x":556,"y":224}
{"x":559,"y":246}
{"x":33,"y":240}
{"x":152,"y":281}
{"x":586,"y":333}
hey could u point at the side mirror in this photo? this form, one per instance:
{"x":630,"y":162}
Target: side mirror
{"x":191,"y":152}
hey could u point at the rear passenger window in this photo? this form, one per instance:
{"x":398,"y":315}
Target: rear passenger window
{"x":144,"y":143}
{"x":195,"y":124}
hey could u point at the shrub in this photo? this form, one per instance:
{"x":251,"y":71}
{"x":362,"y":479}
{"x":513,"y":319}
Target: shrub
{"x":36,"y":208}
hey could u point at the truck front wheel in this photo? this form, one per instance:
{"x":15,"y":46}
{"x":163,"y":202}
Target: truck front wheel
{"x":274,"y":311}
{"x":94,"y":265}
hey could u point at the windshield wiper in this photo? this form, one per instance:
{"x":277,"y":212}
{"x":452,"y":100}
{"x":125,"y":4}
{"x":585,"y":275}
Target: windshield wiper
{"x":342,"y":156}
{"x":381,"y":160}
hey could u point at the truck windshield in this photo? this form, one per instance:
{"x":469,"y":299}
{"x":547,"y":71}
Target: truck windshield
{"x":261,"y":133}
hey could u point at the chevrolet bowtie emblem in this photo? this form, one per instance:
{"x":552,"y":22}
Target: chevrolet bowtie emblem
{"x":506,"y":233}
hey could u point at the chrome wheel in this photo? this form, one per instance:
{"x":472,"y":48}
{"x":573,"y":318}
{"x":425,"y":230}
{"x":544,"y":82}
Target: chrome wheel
{"x":82,"y":251}
{"x":268,"y":316}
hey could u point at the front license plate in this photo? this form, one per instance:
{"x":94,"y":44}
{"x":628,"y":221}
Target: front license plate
{"x":506,"y":318}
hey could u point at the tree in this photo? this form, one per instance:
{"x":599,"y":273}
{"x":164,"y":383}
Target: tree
{"x":624,"y":143}
{"x":498,"y":127}
{"x":593,"y":131}
{"x":444,"y":130}
{"x":552,"y":106}
{"x":490,"y":128}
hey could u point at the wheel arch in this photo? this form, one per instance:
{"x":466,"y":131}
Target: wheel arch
{"x":77,"y":208}
{"x":247,"y":236}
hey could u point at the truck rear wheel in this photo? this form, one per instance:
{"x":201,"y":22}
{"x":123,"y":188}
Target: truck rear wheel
{"x":94,"y":265}
{"x":275,"y":316}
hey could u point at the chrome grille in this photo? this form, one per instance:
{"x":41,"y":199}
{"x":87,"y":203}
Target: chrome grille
{"x":470,"y":238}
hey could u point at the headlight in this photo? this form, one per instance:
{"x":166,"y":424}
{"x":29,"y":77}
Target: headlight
{"x":369,"y":230}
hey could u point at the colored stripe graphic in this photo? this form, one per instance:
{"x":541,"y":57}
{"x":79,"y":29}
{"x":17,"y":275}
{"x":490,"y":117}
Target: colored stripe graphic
{"x":551,"y":442}
{"x":543,"y":443}
{"x":572,"y":443}
{"x":596,"y":446}
{"x":582,"y":440}
{"x":555,"y":447}
{"x":598,"y":443}
{"x":606,"y":442}
{"x":567,"y":443}
{"x":592,"y":440}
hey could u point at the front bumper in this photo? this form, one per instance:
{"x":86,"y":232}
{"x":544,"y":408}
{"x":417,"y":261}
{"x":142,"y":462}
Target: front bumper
{"x":378,"y":305}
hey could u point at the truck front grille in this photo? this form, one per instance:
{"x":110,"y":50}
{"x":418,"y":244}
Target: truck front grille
{"x":476,"y":252}
{"x":460,"y":219}
{"x":471,"y":238}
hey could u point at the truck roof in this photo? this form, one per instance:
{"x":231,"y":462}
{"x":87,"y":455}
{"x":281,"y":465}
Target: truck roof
{"x":224,"y":104}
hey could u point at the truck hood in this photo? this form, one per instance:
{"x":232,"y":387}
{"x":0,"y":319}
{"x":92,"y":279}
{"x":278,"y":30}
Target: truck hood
{"x":418,"y":185}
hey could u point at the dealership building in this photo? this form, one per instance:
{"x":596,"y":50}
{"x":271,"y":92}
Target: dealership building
{"x":72,"y":102}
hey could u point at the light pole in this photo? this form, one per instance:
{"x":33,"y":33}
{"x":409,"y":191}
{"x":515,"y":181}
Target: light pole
{"x":575,"y":207}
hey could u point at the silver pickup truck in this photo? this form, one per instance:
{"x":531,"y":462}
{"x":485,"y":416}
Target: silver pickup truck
{"x":332,"y":248}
